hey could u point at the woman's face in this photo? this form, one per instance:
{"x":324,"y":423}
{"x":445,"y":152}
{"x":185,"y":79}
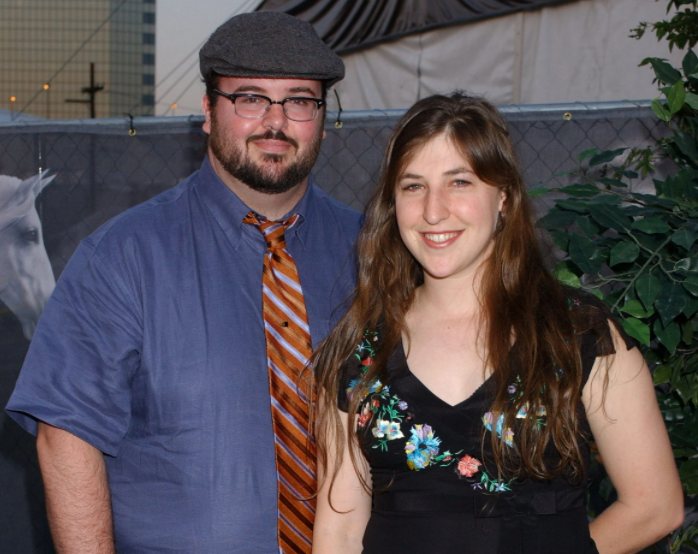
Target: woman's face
{"x":446,"y":215}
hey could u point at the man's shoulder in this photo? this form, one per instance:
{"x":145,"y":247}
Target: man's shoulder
{"x":150,"y":218}
{"x":331,"y":208}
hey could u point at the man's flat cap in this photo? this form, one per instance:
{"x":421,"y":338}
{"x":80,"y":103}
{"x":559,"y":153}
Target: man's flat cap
{"x":269,"y":44}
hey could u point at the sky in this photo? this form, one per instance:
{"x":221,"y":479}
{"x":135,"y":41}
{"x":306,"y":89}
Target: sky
{"x":182,"y":27}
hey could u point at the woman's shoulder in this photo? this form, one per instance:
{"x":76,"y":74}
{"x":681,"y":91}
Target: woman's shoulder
{"x":592,"y":318}
{"x":357,"y":364}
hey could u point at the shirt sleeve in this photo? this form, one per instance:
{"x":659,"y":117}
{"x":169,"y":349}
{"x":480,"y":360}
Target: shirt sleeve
{"x":596,"y":339}
{"x":84,"y":353}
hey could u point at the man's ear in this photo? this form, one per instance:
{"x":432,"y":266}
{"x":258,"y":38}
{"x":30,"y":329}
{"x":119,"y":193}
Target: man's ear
{"x":206,"y":106}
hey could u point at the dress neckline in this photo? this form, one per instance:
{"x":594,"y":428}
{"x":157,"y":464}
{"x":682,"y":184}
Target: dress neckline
{"x":412,"y":384}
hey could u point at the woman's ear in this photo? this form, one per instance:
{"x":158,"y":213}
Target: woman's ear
{"x":502,"y":200}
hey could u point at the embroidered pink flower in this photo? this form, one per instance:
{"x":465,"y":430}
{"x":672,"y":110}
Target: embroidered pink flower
{"x":365,"y":416}
{"x":468,"y":466}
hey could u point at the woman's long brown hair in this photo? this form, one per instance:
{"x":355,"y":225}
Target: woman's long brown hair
{"x":519,"y":299}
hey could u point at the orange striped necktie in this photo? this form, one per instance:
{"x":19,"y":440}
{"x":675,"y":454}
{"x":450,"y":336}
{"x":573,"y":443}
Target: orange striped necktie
{"x":288,"y":349}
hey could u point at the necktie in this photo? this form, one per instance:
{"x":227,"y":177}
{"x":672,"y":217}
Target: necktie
{"x":288,"y":349}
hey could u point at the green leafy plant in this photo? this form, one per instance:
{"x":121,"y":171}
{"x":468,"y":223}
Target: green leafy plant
{"x":639,"y":253}
{"x":681,"y":30}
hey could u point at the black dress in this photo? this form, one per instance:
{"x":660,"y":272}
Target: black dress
{"x":433,"y":487}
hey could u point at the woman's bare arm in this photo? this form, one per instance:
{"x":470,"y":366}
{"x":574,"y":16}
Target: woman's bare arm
{"x":636,"y":452}
{"x":339,"y":527}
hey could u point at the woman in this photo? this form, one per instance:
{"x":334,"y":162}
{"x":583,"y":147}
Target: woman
{"x":461,"y":422}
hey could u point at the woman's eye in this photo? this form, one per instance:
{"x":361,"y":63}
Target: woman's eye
{"x":461,"y":183}
{"x":411,"y":186}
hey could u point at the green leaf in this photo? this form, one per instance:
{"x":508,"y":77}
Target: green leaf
{"x":588,"y":153}
{"x":605,"y":156}
{"x":660,"y":110}
{"x":647,"y":288}
{"x":609,"y":216}
{"x":687,"y":144}
{"x":684,"y":452}
{"x":690,"y":283}
{"x":691,"y":306}
{"x":665,"y":72}
{"x":573,"y":204}
{"x":635,"y":309}
{"x":627,"y":173}
{"x":556,"y":219}
{"x":669,"y":336}
{"x":652,"y":200}
{"x":585,"y":254}
{"x":689,"y":64}
{"x":676,"y":97}
{"x":670,"y":302}
{"x":687,"y":265}
{"x":651,"y":225}
{"x":561,"y":239}
{"x":684,"y":237}
{"x":688,"y":472}
{"x":692,"y":100}
{"x":638,"y":330}
{"x":581,"y":190}
{"x":661,"y":375}
{"x":612,"y":182}
{"x":535,"y":192}
{"x":566,"y":277}
{"x":624,"y":252}
{"x":585,"y":224}
{"x":687,"y":333}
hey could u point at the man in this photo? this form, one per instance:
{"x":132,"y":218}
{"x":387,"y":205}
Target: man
{"x":154,"y":378}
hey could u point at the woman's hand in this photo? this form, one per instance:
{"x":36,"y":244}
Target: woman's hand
{"x":634,"y":445}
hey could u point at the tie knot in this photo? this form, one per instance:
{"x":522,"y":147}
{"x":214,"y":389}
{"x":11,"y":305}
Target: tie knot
{"x":273,"y":231}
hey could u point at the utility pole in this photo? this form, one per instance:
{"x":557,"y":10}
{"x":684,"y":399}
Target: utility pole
{"x":92,"y":91}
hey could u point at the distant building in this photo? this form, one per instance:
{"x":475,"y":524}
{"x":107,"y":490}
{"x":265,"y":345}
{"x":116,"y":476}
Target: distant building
{"x":47,"y":46}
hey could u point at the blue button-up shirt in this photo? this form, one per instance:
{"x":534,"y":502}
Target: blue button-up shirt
{"x":152,"y":349}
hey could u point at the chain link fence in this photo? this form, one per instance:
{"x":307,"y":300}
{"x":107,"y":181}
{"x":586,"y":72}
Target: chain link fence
{"x":103,"y":167}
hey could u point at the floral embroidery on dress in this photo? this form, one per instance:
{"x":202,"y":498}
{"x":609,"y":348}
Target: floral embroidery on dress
{"x":423,"y":447}
{"x":468,"y":467}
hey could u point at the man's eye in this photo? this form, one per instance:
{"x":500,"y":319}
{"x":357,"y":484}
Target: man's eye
{"x":250,"y":100}
{"x":300,"y":102}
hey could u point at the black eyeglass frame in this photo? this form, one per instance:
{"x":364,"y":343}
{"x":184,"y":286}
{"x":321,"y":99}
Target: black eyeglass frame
{"x":319,"y":102}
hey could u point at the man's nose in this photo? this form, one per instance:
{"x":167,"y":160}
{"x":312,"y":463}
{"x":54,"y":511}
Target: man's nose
{"x":275,"y":118}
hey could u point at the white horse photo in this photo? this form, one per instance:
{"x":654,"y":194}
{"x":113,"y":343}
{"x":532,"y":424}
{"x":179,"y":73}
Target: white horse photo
{"x":26,"y":278}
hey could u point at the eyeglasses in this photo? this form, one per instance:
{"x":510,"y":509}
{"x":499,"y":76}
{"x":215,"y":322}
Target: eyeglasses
{"x":254,"y":106}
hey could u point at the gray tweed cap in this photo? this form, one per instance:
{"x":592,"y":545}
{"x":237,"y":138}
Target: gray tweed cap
{"x":269,"y":44}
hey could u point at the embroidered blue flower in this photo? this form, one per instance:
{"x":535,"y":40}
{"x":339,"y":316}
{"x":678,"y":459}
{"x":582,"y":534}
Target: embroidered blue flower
{"x":402,"y":405}
{"x":507,"y":435}
{"x":375,"y":386}
{"x":421,"y":447}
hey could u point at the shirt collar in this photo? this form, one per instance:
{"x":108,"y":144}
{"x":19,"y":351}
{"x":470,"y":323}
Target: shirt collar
{"x":229,"y":211}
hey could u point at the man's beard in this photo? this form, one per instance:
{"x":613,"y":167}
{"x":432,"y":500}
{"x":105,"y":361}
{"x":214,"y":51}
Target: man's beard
{"x":269,"y":177}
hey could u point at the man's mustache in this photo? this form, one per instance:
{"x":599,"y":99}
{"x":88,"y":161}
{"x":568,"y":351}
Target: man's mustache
{"x":271,"y":135}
